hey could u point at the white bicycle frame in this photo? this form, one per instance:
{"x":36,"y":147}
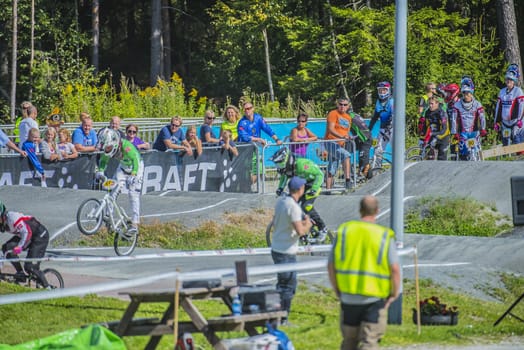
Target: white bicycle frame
{"x":109,"y":207}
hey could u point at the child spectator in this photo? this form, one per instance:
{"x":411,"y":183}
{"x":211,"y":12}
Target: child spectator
{"x":193,"y":141}
{"x":48,"y":146}
{"x":228,"y":144}
{"x":65,"y":148}
{"x":31,"y":146}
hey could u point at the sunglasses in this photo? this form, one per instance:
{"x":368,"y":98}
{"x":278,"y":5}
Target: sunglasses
{"x":175,"y":125}
{"x":302,"y":121}
{"x":248,"y":108}
{"x":131,"y":131}
{"x":343,"y":104}
{"x":210,"y":118}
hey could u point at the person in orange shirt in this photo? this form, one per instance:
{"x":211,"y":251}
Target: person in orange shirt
{"x":338,"y":126}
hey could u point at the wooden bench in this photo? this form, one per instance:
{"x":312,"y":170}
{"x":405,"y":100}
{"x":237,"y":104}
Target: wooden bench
{"x":158,"y":327}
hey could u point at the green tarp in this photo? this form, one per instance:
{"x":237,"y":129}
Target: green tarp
{"x":89,"y":338}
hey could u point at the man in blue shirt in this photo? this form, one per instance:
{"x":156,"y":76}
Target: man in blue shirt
{"x":171,"y":137}
{"x":249,"y":130}
{"x":84,"y":137}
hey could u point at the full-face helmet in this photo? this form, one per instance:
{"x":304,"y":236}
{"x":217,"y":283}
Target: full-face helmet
{"x":452,"y":90}
{"x":512,"y":72}
{"x":281,"y":159}
{"x":440,"y":90}
{"x":466,"y":85}
{"x":109,"y":141}
{"x":384,"y":90}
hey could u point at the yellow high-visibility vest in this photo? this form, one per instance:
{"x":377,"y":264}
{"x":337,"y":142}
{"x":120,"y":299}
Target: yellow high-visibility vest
{"x":361,"y":259}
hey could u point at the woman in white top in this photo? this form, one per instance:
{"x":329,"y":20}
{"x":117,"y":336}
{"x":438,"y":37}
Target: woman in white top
{"x":27,"y":124}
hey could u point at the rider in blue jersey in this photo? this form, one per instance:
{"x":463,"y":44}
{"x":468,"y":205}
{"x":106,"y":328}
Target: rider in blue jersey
{"x":384,"y":113}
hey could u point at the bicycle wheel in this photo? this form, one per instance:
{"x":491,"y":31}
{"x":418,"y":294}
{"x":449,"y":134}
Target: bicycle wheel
{"x":86,"y":220}
{"x":124,"y":243}
{"x":413,"y":154}
{"x":54,"y":279}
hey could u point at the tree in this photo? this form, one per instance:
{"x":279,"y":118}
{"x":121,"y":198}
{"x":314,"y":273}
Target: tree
{"x":156,"y":41}
{"x":95,"y":23}
{"x":508,"y":31}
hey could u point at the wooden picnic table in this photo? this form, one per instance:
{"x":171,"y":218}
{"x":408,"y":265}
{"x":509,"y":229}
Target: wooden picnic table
{"x":156,"y":328}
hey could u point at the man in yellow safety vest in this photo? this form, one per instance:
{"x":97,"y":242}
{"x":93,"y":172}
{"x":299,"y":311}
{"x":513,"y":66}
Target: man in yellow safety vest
{"x":364,"y":271}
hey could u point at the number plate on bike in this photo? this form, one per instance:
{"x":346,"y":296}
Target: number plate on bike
{"x":506,"y":132}
{"x":109,"y":184}
{"x":375,"y":142}
{"x":471,"y":143}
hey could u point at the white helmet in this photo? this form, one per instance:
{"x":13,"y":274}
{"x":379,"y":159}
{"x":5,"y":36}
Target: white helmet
{"x":109,"y":141}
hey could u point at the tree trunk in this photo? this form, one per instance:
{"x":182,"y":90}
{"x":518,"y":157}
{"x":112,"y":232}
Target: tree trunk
{"x":342,"y":78}
{"x":166,"y":39}
{"x":32,"y":54}
{"x":268,"y":66}
{"x":13,"y":60}
{"x":156,"y":41}
{"x":95,"y":26}
{"x":508,"y":32}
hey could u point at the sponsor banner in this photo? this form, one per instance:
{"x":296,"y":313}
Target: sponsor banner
{"x":213,"y":170}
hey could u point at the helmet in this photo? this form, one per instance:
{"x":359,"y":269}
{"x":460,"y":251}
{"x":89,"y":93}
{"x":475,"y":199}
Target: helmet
{"x":452,"y":90}
{"x":109,"y":141}
{"x":466,"y":85}
{"x":3,"y":209}
{"x":384,"y":85}
{"x":280,"y":158}
{"x":441,"y":90}
{"x":512,"y":72}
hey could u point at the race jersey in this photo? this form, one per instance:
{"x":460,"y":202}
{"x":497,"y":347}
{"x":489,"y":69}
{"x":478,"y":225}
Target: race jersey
{"x":23,"y":226}
{"x":384,"y":113}
{"x":359,"y":127}
{"x":308,"y":170}
{"x":248,"y":129}
{"x":467,"y":118}
{"x":510,"y":106}
{"x":128,"y":156}
{"x":436,"y":121}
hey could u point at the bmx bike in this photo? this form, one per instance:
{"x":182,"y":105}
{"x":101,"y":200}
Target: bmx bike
{"x":93,"y":212}
{"x":53,"y":277}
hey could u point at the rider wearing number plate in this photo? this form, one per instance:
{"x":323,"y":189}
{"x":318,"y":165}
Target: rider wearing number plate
{"x":29,"y":234}
{"x":467,"y":119}
{"x":384,"y":109}
{"x":129,"y":172}
{"x":433,"y":127}
{"x":289,"y":166}
{"x":510,"y":108}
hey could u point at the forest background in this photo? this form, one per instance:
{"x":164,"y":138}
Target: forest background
{"x":158,"y":58}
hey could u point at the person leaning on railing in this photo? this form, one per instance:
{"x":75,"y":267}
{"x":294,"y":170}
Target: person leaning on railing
{"x":301,"y":134}
{"x":5,"y":142}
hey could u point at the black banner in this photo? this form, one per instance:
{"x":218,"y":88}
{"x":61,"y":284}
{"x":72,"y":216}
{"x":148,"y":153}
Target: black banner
{"x":213,"y":170}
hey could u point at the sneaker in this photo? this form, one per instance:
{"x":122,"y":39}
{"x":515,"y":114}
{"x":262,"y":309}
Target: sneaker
{"x":20,"y":277}
{"x":350,"y":184}
{"x":131,"y":232}
{"x":322,"y":235}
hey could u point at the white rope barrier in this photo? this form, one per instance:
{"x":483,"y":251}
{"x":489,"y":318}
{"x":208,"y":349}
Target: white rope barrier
{"x":187,"y":276}
{"x":185,"y":254}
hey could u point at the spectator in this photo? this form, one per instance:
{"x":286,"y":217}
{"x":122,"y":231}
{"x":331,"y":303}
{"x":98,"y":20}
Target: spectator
{"x":132,"y":136}
{"x":5,"y":142}
{"x":31,"y":146}
{"x":207,"y":135}
{"x":84,"y":137}
{"x":48,"y":145}
{"x":171,"y":137}
{"x":65,"y":148}
{"x":434,"y":127}
{"x":249,"y":130}
{"x":114,"y":124}
{"x":27,"y":124}
{"x":468,"y":120}
{"x":431,"y":89}
{"x":28,"y":234}
{"x":338,"y":126}
{"x":363,"y":142}
{"x":384,"y":113}
{"x":228,"y":144}
{"x":301,"y":134}
{"x":509,"y":111}
{"x":16,"y":132}
{"x":290,"y":224}
{"x":364,"y":272}
{"x":193,"y":141}
{"x":230,"y":121}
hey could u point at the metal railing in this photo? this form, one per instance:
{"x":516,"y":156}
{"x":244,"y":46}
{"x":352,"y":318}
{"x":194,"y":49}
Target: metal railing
{"x":316,"y":151}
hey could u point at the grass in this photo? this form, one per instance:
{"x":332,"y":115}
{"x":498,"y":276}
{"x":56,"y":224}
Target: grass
{"x":316,"y":323}
{"x":457,"y":216}
{"x":315,"y":309}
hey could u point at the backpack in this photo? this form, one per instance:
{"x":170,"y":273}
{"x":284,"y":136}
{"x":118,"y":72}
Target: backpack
{"x":285,"y":342}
